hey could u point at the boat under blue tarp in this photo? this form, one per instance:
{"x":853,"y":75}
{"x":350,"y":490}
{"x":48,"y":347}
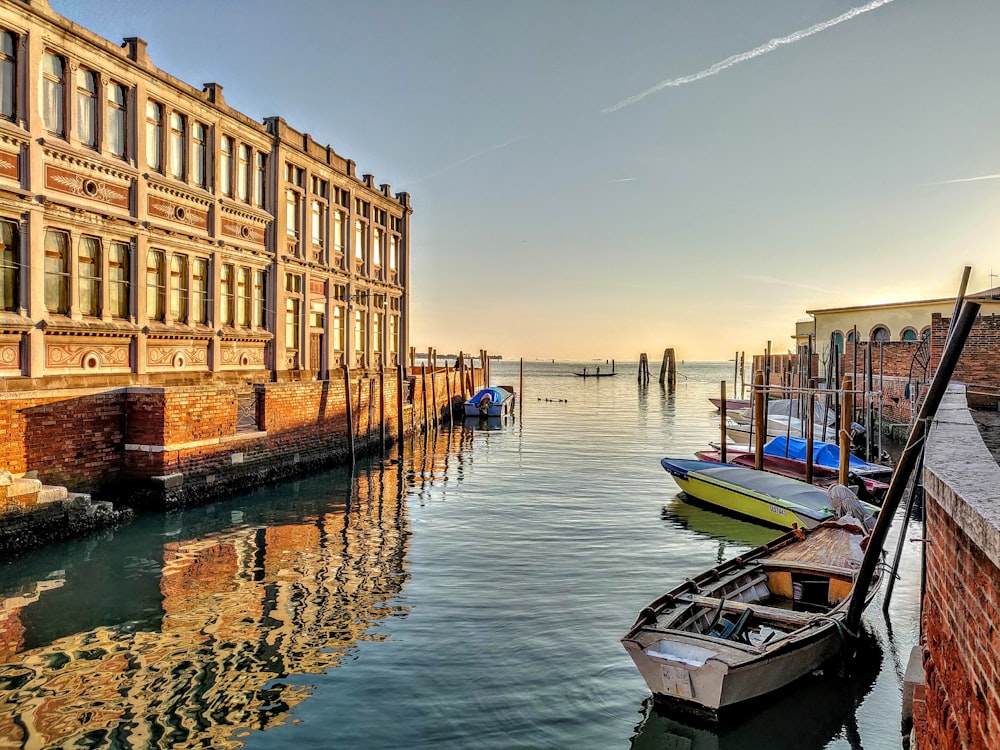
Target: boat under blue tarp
{"x":824,"y":454}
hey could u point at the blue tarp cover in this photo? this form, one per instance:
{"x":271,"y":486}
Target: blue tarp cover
{"x":496,"y":394}
{"x":824,"y":454}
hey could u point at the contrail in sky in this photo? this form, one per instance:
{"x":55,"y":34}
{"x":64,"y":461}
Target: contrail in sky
{"x":729,"y":62}
{"x":964,"y":179}
{"x":470,"y":157}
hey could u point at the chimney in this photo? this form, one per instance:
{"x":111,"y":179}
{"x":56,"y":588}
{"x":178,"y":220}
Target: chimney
{"x":350,"y":167}
{"x":369,"y":180}
{"x":214,"y":92}
{"x":384,"y":187}
{"x":136,"y":49}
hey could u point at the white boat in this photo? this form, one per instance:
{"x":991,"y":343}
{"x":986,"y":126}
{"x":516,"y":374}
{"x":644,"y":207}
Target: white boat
{"x":490,"y":402}
{"x":751,"y":625}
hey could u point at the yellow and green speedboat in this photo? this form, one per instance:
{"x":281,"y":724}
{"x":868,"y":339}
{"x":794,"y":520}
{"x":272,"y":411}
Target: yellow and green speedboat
{"x":770,"y":498}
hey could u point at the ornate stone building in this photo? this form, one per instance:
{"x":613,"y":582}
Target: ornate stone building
{"x":150,"y":234}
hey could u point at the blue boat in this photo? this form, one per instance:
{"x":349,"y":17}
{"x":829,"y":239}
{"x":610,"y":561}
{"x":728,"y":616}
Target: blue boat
{"x":824,"y":454}
{"x":490,"y":402}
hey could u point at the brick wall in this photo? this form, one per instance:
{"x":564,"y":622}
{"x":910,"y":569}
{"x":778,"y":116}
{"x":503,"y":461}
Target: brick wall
{"x":979,"y":365}
{"x":180,"y":444}
{"x":71,"y":438}
{"x":959,"y":706}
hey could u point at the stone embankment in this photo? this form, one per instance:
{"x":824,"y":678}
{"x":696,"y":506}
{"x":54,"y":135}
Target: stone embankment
{"x":32,"y":513}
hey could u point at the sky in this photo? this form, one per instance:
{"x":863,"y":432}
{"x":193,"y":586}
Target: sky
{"x":595,"y":179}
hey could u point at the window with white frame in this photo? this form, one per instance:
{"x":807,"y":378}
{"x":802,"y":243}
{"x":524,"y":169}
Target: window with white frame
{"x":118,"y":279}
{"x":10,"y":275}
{"x":8,"y":75}
{"x":199,"y":290}
{"x":89,"y":276}
{"x":259,"y":178}
{"x":259,"y":297}
{"x":154,"y":135}
{"x":226,"y":294}
{"x":243,"y":174}
{"x":117,"y":135}
{"x":86,"y":107}
{"x":243,"y":297}
{"x":156,"y":285}
{"x":178,"y":288}
{"x":178,"y":139}
{"x":57,"y":273}
{"x":338,"y":239}
{"x":199,"y":154}
{"x":226,"y":167}
{"x":53,"y":93}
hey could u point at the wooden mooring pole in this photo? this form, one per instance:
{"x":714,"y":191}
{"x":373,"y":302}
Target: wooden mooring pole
{"x":401,"y":430}
{"x":759,"y":396}
{"x":350,"y":413}
{"x":722,"y":422}
{"x":447,"y":385}
{"x":844,"y":437}
{"x":643,"y":369}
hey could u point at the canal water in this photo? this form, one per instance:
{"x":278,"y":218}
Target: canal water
{"x":469,"y":594}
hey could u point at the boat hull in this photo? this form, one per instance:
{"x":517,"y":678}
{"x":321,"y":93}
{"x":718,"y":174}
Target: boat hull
{"x":716,"y":685}
{"x":701,"y":484}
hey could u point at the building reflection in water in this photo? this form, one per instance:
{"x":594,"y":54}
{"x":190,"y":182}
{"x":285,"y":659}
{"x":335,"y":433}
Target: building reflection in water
{"x":197,"y":646}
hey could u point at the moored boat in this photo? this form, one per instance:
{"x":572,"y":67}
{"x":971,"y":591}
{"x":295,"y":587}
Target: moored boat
{"x":869,"y":489}
{"x":755,"y":494}
{"x":751,"y":625}
{"x":490,"y":402}
{"x":732,"y":404}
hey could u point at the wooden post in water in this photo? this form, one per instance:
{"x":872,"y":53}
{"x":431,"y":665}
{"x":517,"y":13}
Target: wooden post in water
{"x":447,"y":385}
{"x":743,"y":376}
{"x":908,"y":460}
{"x":434,"y":393}
{"x":722,"y":421}
{"x":810,"y":436}
{"x":760,"y":421}
{"x":461,"y":374}
{"x":845,"y":431}
{"x":381,"y":404}
{"x":663,"y":367}
{"x":413,"y":357}
{"x":423,"y":393}
{"x":736,"y":372}
{"x":350,"y":412}
{"x":400,"y":427}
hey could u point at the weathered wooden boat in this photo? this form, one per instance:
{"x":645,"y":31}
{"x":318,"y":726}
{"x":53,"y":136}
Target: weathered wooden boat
{"x":490,"y":402}
{"x":751,"y":625}
{"x":755,"y":494}
{"x":869,"y":489}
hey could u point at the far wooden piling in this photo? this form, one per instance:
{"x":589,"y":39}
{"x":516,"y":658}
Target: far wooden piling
{"x":520,"y":390}
{"x":668,"y":369}
{"x":434,"y":398}
{"x":447,"y":385}
{"x":461,"y":375}
{"x":643,"y":369}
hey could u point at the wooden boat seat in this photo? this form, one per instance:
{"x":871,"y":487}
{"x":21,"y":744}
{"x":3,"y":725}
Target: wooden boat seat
{"x":787,"y":616}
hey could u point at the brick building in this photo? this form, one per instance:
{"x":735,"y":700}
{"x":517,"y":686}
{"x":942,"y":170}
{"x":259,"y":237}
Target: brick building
{"x":187,"y":296}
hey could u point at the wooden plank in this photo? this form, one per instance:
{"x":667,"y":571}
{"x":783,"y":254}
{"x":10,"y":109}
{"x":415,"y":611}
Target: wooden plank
{"x":769,"y":613}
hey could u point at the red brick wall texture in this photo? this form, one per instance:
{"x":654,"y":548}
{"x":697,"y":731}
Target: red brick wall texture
{"x":87,"y":441}
{"x":961,"y":699}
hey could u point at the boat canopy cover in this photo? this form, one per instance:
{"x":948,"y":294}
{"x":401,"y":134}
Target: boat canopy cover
{"x":824,"y":454}
{"x":792,"y":407}
{"x":497,"y":395}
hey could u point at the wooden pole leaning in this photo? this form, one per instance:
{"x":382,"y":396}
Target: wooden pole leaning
{"x":759,"y":396}
{"x":908,"y":461}
{"x":350,"y":413}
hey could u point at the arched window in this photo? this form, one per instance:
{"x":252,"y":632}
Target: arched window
{"x":908,"y":334}
{"x":838,"y":342}
{"x":879,"y":334}
{"x":925,"y":333}
{"x":850,"y":336}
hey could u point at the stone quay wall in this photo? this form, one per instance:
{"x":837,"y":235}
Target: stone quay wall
{"x":166,"y":446}
{"x":958,"y":706}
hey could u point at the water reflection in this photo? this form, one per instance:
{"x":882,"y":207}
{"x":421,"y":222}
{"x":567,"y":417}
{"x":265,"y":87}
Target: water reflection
{"x":732,"y":534}
{"x":198,"y":629}
{"x":809,"y":714}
